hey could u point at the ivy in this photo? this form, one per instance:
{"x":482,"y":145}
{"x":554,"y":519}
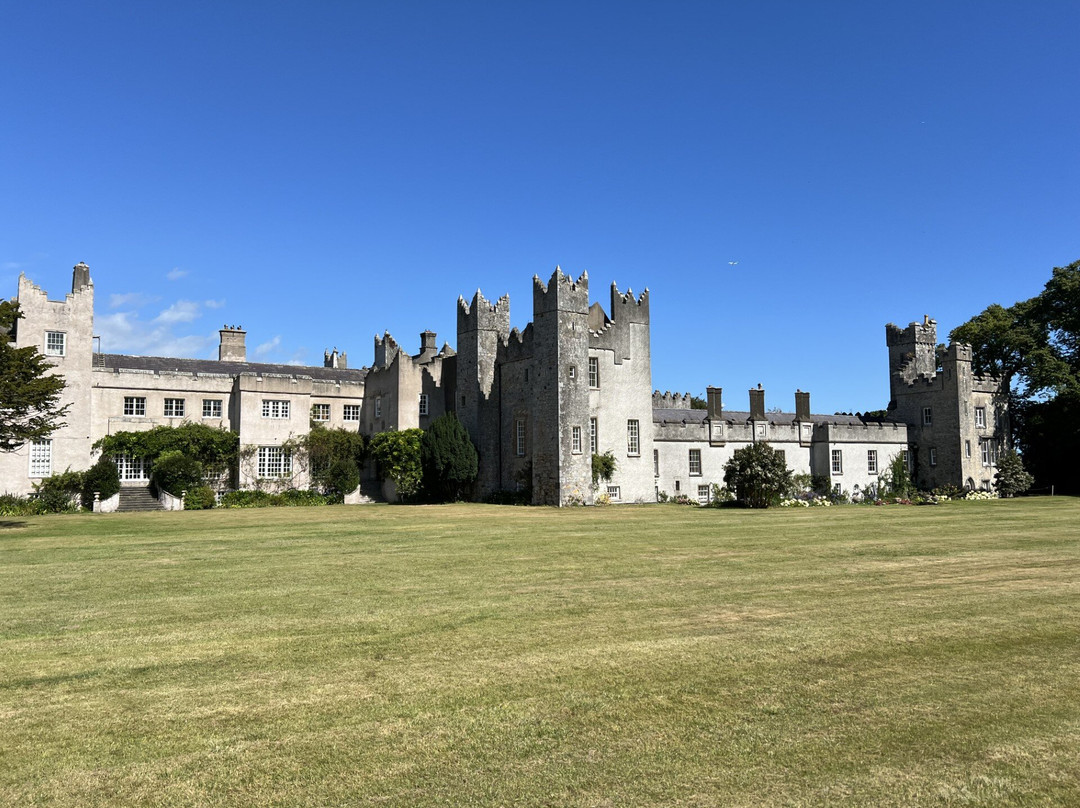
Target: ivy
{"x":398,"y":455}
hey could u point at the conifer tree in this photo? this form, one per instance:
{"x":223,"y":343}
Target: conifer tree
{"x":29,"y":395}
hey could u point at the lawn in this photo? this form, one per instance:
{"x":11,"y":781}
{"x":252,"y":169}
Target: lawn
{"x":484,"y":655}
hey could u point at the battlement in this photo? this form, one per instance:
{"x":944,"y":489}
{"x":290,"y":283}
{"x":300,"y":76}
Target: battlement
{"x":924,"y":333}
{"x":518,"y":345}
{"x":670,"y":401}
{"x":483,"y":315}
{"x":333,"y":359}
{"x":386,"y":350}
{"x":561,"y":293}
{"x":625,"y":308}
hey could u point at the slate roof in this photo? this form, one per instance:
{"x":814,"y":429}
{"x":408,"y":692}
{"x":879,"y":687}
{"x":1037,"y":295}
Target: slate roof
{"x":159,"y":364}
{"x":663,"y":415}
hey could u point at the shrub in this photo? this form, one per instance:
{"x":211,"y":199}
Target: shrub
{"x":326,"y":448}
{"x":175,"y":472}
{"x":398,"y":455}
{"x":14,"y":505}
{"x":1011,"y":477}
{"x":103,"y":478}
{"x":296,"y":497}
{"x":60,"y":493}
{"x":343,"y":476}
{"x":245,"y":499}
{"x":200,"y":498}
{"x":758,"y":474}
{"x":448,"y":459}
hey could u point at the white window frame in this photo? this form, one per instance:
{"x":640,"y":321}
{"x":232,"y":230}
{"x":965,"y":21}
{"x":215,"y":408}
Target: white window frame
{"x":614,"y":493}
{"x":980,"y":417}
{"x":274,"y":462}
{"x":593,"y":432}
{"x":55,"y":343}
{"x":572,"y":371}
{"x":633,"y":437}
{"x":656,"y":462}
{"x":212,"y":408}
{"x":695,"y":462}
{"x":837,"y":459}
{"x":423,"y":403}
{"x":135,"y":406}
{"x":967,"y":448}
{"x":927,"y":416}
{"x":575,"y":440}
{"x":519,"y":435}
{"x":703,"y":493}
{"x":350,"y":412}
{"x":320,"y":412}
{"x":131,"y":468}
{"x":871,"y":461}
{"x":174,"y":408}
{"x":933,"y":456}
{"x":277,"y":408}
{"x":41,"y":458}
{"x":594,"y":373}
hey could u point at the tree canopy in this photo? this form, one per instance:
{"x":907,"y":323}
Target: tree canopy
{"x":1034,"y":347}
{"x":757,"y":474}
{"x":448,"y":458}
{"x":29,"y":395}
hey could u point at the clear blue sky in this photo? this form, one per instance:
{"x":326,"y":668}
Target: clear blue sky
{"x":320,"y":172}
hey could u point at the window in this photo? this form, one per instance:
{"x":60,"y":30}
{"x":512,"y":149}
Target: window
{"x":703,"y":494}
{"x":614,"y":493}
{"x":55,"y":343}
{"x":695,"y":462}
{"x":837,"y":489}
{"x":989,"y":450}
{"x":274,"y":461}
{"x":572,"y":372}
{"x":275,"y":408}
{"x":980,"y":417}
{"x":633,"y":442}
{"x":927,"y":416}
{"x":907,"y":458}
{"x":174,"y":408}
{"x":592,"y":435}
{"x":594,"y":372}
{"x":575,"y":441}
{"x":678,"y":486}
{"x":134,"y":405}
{"x":320,"y":412}
{"x":871,"y":461}
{"x":519,"y":429}
{"x":350,"y":412}
{"x":41,"y":458}
{"x":967,"y":448}
{"x":656,"y":462}
{"x":131,"y":468}
{"x":378,"y":407}
{"x":211,"y":408}
{"x":837,"y":461}
{"x":933,"y":456}
{"x":423,"y":404}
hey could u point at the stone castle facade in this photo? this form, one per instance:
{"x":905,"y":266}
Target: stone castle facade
{"x":537,"y":402}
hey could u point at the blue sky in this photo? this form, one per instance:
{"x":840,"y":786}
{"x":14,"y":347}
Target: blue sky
{"x":321,"y":172}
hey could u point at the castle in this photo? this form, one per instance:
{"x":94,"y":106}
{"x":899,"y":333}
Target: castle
{"x":538,"y":403}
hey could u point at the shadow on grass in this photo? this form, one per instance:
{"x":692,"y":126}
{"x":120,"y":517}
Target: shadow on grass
{"x":11,"y":523}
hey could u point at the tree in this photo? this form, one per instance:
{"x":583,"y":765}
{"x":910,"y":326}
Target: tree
{"x":176,"y":472}
{"x":1034,"y":347}
{"x":895,"y":480}
{"x":1011,"y":477}
{"x":101,"y":478}
{"x":448,"y":458}
{"x":29,"y":395}
{"x":398,"y":456}
{"x":757,"y":474}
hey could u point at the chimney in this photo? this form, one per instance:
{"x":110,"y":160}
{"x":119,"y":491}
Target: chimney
{"x":757,"y":403}
{"x":232,"y":344}
{"x":802,"y":406}
{"x":80,"y":277}
{"x":427,"y":344}
{"x":715,"y":399}
{"x":333,"y":359}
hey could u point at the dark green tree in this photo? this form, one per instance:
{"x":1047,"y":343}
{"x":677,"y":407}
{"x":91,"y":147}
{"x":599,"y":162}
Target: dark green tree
{"x":342,"y":477}
{"x":758,"y":474}
{"x":176,"y":472}
{"x":29,"y":395}
{"x":448,"y":458}
{"x":103,"y":478}
{"x":1034,"y":347}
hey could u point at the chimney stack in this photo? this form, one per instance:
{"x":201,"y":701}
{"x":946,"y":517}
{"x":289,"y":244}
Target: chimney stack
{"x":80,"y":277}
{"x":757,"y":403}
{"x":333,"y":359}
{"x":715,"y":399}
{"x":232,"y":344}
{"x":802,"y":406}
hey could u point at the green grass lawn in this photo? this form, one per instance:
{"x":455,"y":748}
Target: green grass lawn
{"x":483,"y":655}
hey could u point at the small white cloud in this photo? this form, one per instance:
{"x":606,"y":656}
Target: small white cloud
{"x":133,"y":299}
{"x":176,"y":273}
{"x":124,"y":332}
{"x":262,"y":350}
{"x":214,"y":304}
{"x":182,"y":311}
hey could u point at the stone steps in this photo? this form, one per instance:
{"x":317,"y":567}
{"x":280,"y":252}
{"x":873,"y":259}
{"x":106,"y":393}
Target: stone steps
{"x":138,"y":499}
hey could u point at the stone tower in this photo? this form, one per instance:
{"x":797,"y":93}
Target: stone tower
{"x":481,"y":327}
{"x":560,"y":392}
